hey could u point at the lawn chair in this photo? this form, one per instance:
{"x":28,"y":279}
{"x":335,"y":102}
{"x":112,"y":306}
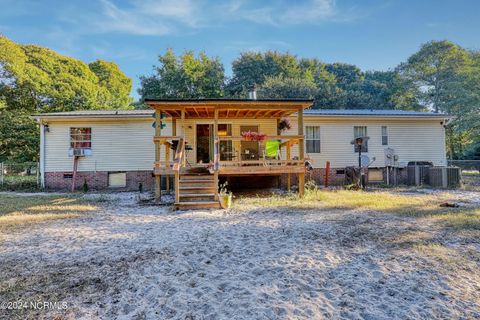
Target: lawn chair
{"x":272,"y":150}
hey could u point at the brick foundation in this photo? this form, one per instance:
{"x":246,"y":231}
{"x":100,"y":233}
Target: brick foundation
{"x":98,"y":180}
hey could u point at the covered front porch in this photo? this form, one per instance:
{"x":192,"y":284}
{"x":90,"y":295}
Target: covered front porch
{"x":216,"y":135}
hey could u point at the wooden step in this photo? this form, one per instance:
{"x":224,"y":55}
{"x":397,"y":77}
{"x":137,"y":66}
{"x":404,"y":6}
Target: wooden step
{"x":196,"y":183}
{"x":188,"y":177}
{"x":197,"y":189}
{"x":184,"y":205}
{"x":197,"y":197}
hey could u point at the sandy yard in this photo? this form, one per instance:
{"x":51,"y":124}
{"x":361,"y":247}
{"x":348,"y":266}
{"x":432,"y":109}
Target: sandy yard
{"x":125,"y":261}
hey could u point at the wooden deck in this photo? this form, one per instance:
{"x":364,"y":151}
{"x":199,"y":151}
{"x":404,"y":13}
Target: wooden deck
{"x":203,"y":192}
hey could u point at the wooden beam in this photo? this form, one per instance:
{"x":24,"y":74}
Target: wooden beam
{"x":182,"y":117}
{"x":196,"y":111}
{"x":158,"y":133}
{"x":216,"y":147}
{"x":167,"y":165}
{"x":289,"y":154}
{"x":301,"y":152}
{"x":301,"y":146}
{"x":301,"y":184}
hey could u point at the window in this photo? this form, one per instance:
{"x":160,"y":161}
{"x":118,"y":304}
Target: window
{"x":226,"y":146}
{"x":384,"y":136}
{"x":80,"y":138}
{"x":360,"y":131}
{"x":312,"y":139}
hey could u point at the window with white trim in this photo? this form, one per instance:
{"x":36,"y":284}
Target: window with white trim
{"x":360,"y":131}
{"x":312,"y":139}
{"x":80,"y":138}
{"x":384,"y":136}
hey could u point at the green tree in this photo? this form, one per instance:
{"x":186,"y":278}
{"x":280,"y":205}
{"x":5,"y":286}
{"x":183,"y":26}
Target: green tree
{"x":256,"y":67}
{"x":287,"y":88}
{"x":184,"y":77}
{"x":35,"y":79}
{"x":448,"y":80}
{"x":115,"y":81}
{"x":437,"y":69}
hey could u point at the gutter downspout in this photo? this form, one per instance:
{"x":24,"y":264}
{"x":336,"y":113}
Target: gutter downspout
{"x":42,"y":154}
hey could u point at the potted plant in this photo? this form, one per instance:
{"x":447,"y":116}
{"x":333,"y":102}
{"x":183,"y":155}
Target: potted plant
{"x":248,"y":135}
{"x":260,"y":136}
{"x":254,"y":136}
{"x":284,"y":125}
{"x":225,"y":196}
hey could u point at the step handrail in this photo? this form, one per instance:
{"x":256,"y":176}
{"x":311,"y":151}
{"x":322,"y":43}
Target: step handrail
{"x":177,"y":162}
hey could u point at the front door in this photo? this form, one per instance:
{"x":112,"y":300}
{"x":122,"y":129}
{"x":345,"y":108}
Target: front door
{"x":204,"y":135}
{"x":204,"y":143}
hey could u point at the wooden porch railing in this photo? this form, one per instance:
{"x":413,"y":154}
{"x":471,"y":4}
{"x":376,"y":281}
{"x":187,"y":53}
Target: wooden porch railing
{"x":177,"y":165}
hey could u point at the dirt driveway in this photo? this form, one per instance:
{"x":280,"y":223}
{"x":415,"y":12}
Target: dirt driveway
{"x":130,"y":262}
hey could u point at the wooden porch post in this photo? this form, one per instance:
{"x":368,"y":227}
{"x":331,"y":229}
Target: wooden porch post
{"x":216,"y":155}
{"x":167,"y":151}
{"x":289,"y":156}
{"x":158,"y":133}
{"x":183,"y":135}
{"x":301,"y":152}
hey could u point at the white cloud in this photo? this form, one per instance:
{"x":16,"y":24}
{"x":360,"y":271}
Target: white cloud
{"x":180,"y":10}
{"x":313,"y":11}
{"x":285,"y":13}
{"x":160,"y":17}
{"x":115,"y":19}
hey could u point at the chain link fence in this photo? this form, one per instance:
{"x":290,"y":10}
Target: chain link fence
{"x":19,"y":176}
{"x":470,"y":173}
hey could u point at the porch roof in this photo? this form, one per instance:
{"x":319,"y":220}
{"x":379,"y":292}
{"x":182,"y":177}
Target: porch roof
{"x":229,"y":108}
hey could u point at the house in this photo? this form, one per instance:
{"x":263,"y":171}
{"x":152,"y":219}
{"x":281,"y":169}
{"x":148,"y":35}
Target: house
{"x":176,"y":140}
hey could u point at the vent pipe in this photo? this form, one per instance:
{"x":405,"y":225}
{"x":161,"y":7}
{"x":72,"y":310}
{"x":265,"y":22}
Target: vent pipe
{"x":252,"y":93}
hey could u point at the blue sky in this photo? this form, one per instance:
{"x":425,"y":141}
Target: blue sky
{"x":373,"y":34}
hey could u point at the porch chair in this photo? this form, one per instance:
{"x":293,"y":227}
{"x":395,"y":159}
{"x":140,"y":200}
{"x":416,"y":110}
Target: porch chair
{"x":272,"y":150}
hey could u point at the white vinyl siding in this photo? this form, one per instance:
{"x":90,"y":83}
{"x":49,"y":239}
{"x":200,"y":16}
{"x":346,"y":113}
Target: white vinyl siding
{"x":117,"y":145}
{"x":312,"y":139}
{"x":411,"y":139}
{"x":121,"y":145}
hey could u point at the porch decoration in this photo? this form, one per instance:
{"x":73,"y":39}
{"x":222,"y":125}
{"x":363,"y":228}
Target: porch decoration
{"x":225,"y":196}
{"x":284,"y":125}
{"x":254,"y":136}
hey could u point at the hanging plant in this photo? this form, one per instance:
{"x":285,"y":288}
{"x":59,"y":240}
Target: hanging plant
{"x":284,"y":125}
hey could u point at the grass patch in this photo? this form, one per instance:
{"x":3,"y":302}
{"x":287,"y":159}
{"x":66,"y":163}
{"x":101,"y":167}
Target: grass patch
{"x":438,"y":252}
{"x":344,"y":199}
{"x":20,"y":183}
{"x":471,"y":180}
{"x":420,"y":205}
{"x":462,"y":219}
{"x":21,"y":210}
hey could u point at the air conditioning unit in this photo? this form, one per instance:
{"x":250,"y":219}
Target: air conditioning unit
{"x":79,"y":152}
{"x":417,"y":174}
{"x":444,"y":177}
